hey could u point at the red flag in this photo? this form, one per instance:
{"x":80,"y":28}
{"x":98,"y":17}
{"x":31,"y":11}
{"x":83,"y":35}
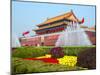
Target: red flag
{"x":24,"y":33}
{"x":82,"y":20}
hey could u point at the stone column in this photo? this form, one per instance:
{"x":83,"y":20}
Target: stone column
{"x":42,"y":40}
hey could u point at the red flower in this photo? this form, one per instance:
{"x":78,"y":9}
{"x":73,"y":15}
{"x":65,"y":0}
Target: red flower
{"x":47,"y":60}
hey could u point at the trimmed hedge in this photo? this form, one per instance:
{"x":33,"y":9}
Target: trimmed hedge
{"x":28,"y":52}
{"x":20,"y":66}
{"x":87,"y":58}
{"x":74,"y":50}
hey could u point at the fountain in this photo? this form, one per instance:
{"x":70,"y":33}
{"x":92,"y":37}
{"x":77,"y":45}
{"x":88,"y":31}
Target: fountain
{"x":15,"y":42}
{"x":73,"y":35}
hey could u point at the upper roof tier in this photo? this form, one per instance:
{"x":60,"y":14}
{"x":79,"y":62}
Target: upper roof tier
{"x":69,"y":16}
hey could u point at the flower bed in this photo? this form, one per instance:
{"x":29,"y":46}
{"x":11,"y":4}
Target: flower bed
{"x":44,"y":59}
{"x":47,"y":60}
{"x":66,"y":60}
{"x":20,"y":66}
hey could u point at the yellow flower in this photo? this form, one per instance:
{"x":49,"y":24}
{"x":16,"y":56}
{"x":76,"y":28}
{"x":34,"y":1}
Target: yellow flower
{"x":68,"y":60}
{"x":46,"y":56}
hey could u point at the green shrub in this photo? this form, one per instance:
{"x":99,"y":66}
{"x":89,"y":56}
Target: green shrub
{"x":74,"y":50}
{"x":28,"y":52}
{"x":87,"y":58}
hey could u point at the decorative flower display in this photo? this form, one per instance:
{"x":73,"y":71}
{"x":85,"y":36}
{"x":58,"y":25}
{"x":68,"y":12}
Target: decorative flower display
{"x":57,"y":52}
{"x":47,"y":60}
{"x":68,"y":60}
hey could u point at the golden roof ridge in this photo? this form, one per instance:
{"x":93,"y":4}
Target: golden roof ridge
{"x":68,"y":14}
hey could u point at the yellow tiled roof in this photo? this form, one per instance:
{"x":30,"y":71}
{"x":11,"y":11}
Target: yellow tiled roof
{"x":52,"y":25}
{"x":92,"y":28}
{"x":88,"y":28}
{"x":83,"y":26}
{"x":66,"y":15}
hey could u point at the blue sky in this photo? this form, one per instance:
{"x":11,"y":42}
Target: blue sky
{"x":26,"y":15}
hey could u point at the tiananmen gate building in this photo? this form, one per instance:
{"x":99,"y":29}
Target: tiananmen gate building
{"x":48,"y":32}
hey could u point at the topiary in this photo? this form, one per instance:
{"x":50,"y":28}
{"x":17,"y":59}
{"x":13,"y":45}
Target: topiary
{"x":57,"y":52}
{"x":87,"y":58}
